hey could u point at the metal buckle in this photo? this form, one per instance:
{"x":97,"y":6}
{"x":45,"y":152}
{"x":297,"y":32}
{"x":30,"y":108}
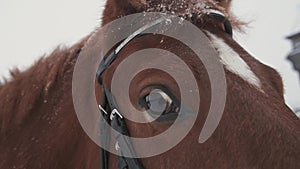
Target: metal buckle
{"x":113,"y":113}
{"x":102,"y":109}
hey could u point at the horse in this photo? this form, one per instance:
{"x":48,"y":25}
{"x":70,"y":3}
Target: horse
{"x":40,"y":128}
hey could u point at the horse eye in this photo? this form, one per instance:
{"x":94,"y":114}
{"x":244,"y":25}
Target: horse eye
{"x":160,"y":104}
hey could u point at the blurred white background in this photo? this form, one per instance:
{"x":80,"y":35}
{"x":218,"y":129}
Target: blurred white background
{"x":32,"y":28}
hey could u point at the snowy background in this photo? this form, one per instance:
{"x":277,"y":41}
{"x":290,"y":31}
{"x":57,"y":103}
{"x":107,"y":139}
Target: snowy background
{"x":32,"y":28}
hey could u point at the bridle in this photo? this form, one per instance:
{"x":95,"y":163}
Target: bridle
{"x":109,"y":108}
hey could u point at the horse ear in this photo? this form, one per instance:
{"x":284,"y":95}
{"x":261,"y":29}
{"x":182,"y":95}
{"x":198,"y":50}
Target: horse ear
{"x":117,"y":8}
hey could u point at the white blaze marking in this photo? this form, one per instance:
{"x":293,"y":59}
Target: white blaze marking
{"x":233,"y":62}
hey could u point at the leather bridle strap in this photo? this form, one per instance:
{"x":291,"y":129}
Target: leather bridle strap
{"x":123,"y":144}
{"x":104,"y":130}
{"x":221,"y":18}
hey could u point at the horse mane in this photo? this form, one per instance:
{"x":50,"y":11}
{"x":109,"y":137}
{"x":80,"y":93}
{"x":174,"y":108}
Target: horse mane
{"x":24,"y":90}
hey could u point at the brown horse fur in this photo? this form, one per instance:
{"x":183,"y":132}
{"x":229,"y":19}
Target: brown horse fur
{"x":39,"y":127}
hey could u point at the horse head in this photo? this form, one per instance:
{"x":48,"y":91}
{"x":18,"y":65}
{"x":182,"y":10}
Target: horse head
{"x":39,"y":127}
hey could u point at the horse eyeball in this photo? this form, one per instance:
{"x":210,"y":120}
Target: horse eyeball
{"x":158,"y":101}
